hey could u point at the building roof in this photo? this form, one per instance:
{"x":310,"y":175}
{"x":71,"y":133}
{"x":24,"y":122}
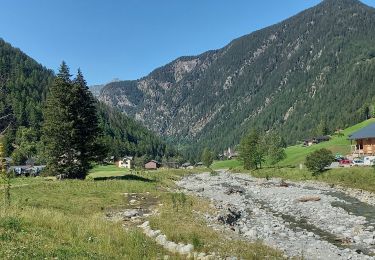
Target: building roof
{"x":366,"y":132}
{"x":155,"y":161}
{"x":186,"y":164}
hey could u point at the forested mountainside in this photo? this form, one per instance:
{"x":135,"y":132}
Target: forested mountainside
{"x":317,"y":65}
{"x":24,"y":84}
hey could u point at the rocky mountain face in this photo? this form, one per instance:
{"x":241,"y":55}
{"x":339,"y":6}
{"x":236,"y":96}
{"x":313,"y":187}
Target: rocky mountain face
{"x":96,"y":89}
{"x":318,"y":65}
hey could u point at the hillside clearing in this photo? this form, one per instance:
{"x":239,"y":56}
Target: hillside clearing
{"x":297,"y":154}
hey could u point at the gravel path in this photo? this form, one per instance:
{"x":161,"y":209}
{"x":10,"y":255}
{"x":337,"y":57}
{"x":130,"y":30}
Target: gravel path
{"x":312,"y":221}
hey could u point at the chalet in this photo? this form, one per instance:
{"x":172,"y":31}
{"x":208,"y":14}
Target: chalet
{"x":152,"y":165}
{"x":364,"y":141}
{"x":126,"y":162}
{"x":316,"y":140}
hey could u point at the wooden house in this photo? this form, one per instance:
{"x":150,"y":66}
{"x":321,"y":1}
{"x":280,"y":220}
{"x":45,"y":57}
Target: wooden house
{"x":364,"y":141}
{"x":152,"y":165}
{"x":316,"y":140}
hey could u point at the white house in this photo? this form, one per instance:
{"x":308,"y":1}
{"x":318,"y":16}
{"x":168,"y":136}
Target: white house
{"x":126,"y":162}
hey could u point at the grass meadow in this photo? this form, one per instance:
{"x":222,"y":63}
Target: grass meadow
{"x":51,"y":219}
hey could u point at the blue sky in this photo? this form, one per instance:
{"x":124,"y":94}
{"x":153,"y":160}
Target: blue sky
{"x":127,"y":39}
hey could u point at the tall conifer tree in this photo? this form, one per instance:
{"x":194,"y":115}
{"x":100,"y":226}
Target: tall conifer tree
{"x":58,"y":125}
{"x":70,"y":126}
{"x":86,"y":124}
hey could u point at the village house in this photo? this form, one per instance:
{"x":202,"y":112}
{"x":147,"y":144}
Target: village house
{"x":152,"y":165}
{"x":126,"y":162}
{"x":364,"y":141}
{"x":316,"y":140}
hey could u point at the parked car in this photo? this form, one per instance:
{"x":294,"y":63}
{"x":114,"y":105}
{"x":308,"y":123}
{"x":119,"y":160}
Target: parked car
{"x":369,"y":160}
{"x":357,"y":162}
{"x":345,"y":163}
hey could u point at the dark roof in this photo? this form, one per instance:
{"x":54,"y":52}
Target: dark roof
{"x":186,"y":164}
{"x":366,"y":132}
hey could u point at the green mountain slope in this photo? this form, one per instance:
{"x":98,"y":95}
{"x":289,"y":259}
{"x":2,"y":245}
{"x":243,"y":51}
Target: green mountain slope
{"x":338,"y":144}
{"x":296,"y":154}
{"x":24,"y":84}
{"x":316,"y":65}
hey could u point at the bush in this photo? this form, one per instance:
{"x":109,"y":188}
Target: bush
{"x":319,"y":160}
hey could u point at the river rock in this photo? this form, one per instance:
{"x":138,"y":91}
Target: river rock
{"x":252,"y":234}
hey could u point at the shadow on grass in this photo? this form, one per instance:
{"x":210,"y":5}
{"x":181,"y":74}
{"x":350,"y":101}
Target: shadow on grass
{"x":127,"y":177}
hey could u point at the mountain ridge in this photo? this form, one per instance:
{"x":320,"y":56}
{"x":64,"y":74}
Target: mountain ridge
{"x":278,"y":79}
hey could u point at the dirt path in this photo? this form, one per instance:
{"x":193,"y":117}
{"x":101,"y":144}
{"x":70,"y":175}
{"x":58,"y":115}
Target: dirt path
{"x":310,"y":221}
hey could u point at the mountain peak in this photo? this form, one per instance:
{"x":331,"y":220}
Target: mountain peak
{"x":342,"y":3}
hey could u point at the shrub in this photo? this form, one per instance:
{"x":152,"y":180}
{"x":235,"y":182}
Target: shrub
{"x":317,"y":161}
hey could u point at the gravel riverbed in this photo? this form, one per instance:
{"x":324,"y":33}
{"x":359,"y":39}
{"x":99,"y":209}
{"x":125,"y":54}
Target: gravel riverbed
{"x":309,"y":220}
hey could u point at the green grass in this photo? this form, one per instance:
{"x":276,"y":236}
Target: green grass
{"x":227,"y":164}
{"x":108,"y":171}
{"x":65,"y":219}
{"x":355,"y":177}
{"x":179,"y":210}
{"x":52,"y":219}
{"x":297,"y":154}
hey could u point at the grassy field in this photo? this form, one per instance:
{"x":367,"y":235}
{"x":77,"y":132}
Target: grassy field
{"x":52,"y":219}
{"x":354,"y":177}
{"x":101,"y":171}
{"x":296,"y":154}
{"x":227,"y":164}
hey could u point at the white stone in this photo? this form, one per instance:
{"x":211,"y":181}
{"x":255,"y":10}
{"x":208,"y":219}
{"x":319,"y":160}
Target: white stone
{"x":252,"y":234}
{"x":161,"y":239}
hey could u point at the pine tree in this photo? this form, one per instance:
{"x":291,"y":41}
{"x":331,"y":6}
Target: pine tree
{"x":58,"y":127}
{"x":322,"y":128}
{"x":86,"y":125}
{"x":70,"y":129}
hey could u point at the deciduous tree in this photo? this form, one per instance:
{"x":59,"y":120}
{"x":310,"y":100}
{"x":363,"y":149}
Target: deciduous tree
{"x":207,"y":157}
{"x":252,"y":150}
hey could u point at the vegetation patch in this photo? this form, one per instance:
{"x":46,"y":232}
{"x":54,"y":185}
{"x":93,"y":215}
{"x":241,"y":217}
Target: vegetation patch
{"x":355,"y":177}
{"x":182,"y":220}
{"x":67,"y":219}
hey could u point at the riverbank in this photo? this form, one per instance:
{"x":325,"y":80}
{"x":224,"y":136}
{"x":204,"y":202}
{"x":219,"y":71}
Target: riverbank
{"x":311,"y":221}
{"x":362,"y":178}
